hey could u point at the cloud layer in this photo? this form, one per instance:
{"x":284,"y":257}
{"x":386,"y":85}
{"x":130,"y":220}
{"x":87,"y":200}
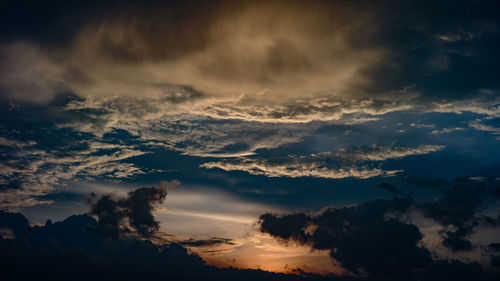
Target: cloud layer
{"x":345,"y":163}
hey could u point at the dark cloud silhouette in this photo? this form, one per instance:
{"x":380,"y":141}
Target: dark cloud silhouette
{"x":139,"y":203}
{"x":389,"y":187}
{"x":378,"y":238}
{"x":68,"y":250}
{"x":456,"y":240}
{"x":17,"y":223}
{"x":205,"y":242}
{"x":71,"y":250}
{"x":119,"y":215}
{"x":459,"y":207}
{"x":362,"y":238}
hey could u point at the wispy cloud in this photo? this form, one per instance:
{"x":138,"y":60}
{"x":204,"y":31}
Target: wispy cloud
{"x":344,"y":163}
{"x":478,"y":125}
{"x":446,"y":130}
{"x":29,"y":173}
{"x":294,"y":170}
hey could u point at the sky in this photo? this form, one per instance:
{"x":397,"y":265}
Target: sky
{"x":322,"y":139}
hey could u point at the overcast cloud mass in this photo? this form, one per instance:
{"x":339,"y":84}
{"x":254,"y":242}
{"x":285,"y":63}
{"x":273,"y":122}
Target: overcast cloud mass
{"x":348,"y":140}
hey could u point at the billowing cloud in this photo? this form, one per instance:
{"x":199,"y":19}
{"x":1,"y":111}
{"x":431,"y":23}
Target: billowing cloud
{"x":119,"y":215}
{"x":236,"y":48}
{"x":378,"y":237}
{"x":58,"y":250}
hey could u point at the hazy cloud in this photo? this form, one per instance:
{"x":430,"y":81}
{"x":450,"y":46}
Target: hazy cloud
{"x":344,"y":163}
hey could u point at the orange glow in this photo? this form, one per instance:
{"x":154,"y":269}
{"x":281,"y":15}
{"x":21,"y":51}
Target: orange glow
{"x":261,"y":251}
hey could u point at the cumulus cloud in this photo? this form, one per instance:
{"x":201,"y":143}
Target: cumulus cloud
{"x":378,"y":237}
{"x":118,"y":215}
{"x":361,"y":238}
{"x":70,"y":249}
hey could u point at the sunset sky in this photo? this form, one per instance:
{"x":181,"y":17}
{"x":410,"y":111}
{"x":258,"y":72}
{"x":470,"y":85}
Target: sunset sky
{"x":355,"y":139}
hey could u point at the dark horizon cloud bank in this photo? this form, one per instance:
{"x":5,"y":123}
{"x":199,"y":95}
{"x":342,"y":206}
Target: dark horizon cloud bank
{"x":244,"y":108}
{"x":375,"y":240}
{"x":378,"y":238}
{"x":78,"y":248}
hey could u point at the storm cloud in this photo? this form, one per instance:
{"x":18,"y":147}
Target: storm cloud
{"x":373,"y":108}
{"x":378,"y":237}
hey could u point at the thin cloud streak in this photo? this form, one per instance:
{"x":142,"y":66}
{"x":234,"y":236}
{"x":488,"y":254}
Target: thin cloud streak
{"x":351,"y":163}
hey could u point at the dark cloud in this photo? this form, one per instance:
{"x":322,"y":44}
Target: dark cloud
{"x":495,"y":247}
{"x":117,"y":215}
{"x":389,"y":187}
{"x":15,"y":222}
{"x":378,"y":238}
{"x":432,"y":183}
{"x":456,"y":240}
{"x":70,"y":249}
{"x":444,"y":50}
{"x":459,"y":207}
{"x":360,"y":237}
{"x":205,"y":242}
{"x":293,"y":48}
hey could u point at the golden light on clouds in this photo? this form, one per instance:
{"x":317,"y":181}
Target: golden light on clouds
{"x":290,"y":51}
{"x":261,"y":251}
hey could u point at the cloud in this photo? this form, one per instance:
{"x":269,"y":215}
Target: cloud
{"x":381,"y":153}
{"x":59,"y":250}
{"x":15,"y":143}
{"x":28,"y":74}
{"x":460,"y":207}
{"x":485,"y":103}
{"x":446,"y":130}
{"x":67,"y":248}
{"x":180,"y":125}
{"x":476,"y":124}
{"x":116,"y":216}
{"x":293,"y":170}
{"x":360,"y":237}
{"x":389,"y":187}
{"x":29,"y":171}
{"x":206,"y":242}
{"x":344,"y":163}
{"x":379,"y":237}
{"x":226,"y":51}
{"x":280,"y":62}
